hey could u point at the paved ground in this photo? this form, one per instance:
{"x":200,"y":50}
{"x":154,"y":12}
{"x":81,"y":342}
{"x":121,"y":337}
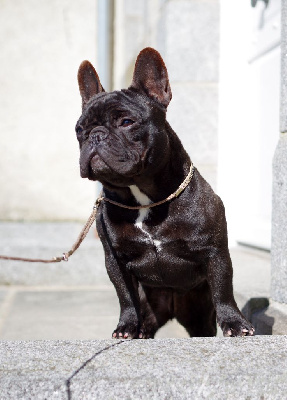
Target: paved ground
{"x":56,"y":321}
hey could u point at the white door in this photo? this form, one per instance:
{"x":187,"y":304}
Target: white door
{"x":251,"y":111}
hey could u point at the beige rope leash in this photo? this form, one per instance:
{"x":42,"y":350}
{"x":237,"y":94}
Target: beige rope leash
{"x":92,"y":217}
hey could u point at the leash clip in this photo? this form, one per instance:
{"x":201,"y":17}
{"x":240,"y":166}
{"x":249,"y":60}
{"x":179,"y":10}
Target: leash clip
{"x":98,"y":202}
{"x":65,"y":257}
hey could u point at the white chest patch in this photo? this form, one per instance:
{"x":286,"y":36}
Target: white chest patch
{"x":143,"y":200}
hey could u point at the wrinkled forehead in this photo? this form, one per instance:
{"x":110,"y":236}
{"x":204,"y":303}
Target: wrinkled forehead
{"x":115,"y":103}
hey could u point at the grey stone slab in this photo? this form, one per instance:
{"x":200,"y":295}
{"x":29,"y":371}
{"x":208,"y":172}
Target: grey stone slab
{"x":40,"y":370}
{"x":283,"y":108}
{"x":199,"y":368}
{"x":192,"y":40}
{"x":52,"y":315}
{"x":279,"y":224}
{"x":47,"y":240}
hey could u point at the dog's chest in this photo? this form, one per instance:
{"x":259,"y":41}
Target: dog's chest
{"x":157,"y":253}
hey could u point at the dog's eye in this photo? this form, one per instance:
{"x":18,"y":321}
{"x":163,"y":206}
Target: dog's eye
{"x":79,"y":130}
{"x":126,"y":122}
{"x":80,"y":133}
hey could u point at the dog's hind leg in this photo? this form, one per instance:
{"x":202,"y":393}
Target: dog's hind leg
{"x":195,"y":311}
{"x":156,"y":309}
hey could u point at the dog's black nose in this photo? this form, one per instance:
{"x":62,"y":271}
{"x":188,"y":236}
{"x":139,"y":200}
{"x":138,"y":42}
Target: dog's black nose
{"x":98,"y":135}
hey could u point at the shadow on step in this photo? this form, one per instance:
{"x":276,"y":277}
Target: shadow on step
{"x":255,"y":311}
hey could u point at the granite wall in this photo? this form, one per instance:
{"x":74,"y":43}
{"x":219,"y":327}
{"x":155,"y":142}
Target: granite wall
{"x":279,"y":209}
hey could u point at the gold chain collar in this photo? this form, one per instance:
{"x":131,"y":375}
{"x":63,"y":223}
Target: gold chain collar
{"x":179,"y":190}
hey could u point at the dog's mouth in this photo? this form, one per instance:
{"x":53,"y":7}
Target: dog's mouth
{"x":110,"y":167}
{"x":86,"y":168}
{"x":97,"y":164}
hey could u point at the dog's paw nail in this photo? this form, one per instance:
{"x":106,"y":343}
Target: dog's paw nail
{"x":120,"y":334}
{"x":114,"y":335}
{"x":248,"y":332}
{"x":140,"y":336}
{"x":126,"y":335}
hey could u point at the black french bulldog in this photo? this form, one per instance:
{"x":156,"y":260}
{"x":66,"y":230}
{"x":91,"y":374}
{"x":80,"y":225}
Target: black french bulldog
{"x":170,"y":261}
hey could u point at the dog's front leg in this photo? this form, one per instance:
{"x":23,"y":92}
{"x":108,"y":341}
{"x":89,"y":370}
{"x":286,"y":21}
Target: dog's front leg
{"x":127,"y":291}
{"x":229,"y":318}
{"x":125,"y":284}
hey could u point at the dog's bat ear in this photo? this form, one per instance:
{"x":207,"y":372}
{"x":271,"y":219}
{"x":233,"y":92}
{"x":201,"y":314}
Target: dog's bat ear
{"x":89,"y":82}
{"x":151,"y":77}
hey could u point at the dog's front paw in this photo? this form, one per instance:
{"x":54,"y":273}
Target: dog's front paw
{"x":146,"y":334}
{"x":128,"y":326}
{"x":126,"y":331}
{"x":237,"y":328}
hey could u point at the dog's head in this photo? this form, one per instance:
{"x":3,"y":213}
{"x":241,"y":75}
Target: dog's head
{"x":122,"y":133}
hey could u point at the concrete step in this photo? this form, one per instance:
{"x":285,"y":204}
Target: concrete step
{"x":161,"y":369}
